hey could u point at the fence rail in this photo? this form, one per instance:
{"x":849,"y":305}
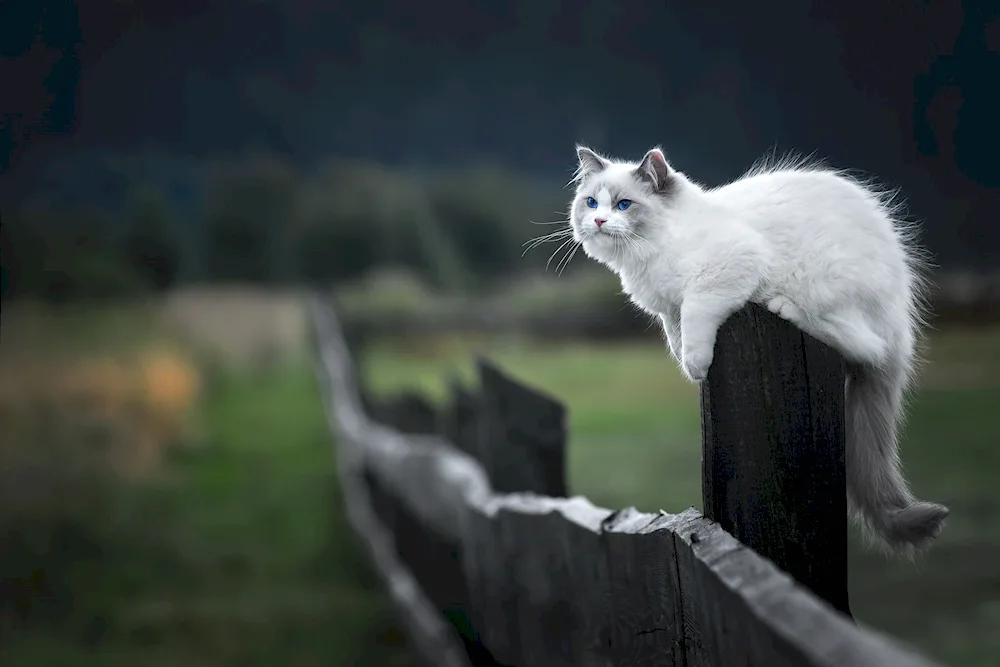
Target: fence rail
{"x":461,"y":511}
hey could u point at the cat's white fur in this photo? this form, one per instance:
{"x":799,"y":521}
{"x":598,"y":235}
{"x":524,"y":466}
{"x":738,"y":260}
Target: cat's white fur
{"x":821,"y":249}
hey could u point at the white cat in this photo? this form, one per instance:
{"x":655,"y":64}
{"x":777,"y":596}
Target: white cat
{"x":816,"y":247}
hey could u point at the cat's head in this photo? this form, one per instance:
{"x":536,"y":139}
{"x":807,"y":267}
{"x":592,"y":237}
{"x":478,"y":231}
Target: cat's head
{"x":618,"y":205}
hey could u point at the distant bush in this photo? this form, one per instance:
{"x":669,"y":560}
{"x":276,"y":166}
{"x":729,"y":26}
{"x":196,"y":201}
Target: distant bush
{"x":353,"y":217}
{"x":486,"y":213}
{"x":589,"y":304}
{"x":246,"y":220}
{"x":151,"y":243}
{"x":65,"y":256}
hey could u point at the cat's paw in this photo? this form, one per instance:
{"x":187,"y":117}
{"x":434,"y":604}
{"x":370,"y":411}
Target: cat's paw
{"x":696,"y":362}
{"x":785,"y":309}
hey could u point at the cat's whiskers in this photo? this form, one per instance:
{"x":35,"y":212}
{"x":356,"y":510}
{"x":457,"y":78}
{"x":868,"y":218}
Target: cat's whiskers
{"x":617,"y":244}
{"x":637,"y":242}
{"x":561,"y":246}
{"x":546,"y":238}
{"x":564,"y":221}
{"x":567,"y":258}
{"x":626,"y":241}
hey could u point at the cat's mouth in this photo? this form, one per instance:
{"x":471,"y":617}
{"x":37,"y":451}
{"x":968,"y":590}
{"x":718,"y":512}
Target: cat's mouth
{"x":603,"y":234}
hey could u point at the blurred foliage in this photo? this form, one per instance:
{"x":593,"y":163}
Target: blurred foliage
{"x":246,"y":216}
{"x":63,"y":256}
{"x":259,"y":220}
{"x":150,"y":243}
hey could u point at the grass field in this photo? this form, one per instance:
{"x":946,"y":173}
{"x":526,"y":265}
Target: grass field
{"x":243,"y":554}
{"x":635,"y":441}
{"x":236,"y":552}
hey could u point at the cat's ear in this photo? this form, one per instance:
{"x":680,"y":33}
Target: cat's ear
{"x":590,"y":161}
{"x":655,"y":170}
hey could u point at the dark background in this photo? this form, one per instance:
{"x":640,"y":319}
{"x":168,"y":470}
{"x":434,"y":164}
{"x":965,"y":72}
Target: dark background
{"x":104,"y":96}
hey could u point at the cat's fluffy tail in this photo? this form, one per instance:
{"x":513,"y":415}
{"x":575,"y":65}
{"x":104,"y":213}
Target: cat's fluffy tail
{"x":876,"y":488}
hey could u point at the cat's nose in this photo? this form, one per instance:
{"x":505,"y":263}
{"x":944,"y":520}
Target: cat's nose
{"x":600,"y":221}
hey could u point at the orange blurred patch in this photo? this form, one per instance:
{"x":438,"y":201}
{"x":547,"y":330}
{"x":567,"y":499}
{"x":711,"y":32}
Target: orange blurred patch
{"x":144,"y":401}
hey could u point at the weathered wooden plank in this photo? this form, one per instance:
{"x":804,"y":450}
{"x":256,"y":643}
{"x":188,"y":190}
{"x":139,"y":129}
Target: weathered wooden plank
{"x":438,"y":483}
{"x":773,"y":448}
{"x":382,"y":505}
{"x":539,"y":580}
{"x":531,"y":604}
{"x":490,"y":589}
{"x":522,"y":437}
{"x":435,"y":561}
{"x":406,"y":411}
{"x":647,"y":626}
{"x":431,"y":637}
{"x":585,"y":582}
{"x":739,"y":609}
{"x":460,"y":420}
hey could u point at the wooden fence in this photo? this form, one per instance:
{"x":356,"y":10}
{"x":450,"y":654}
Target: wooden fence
{"x":464,"y":513}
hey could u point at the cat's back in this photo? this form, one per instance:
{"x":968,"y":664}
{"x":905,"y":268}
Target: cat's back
{"x":793,"y":189}
{"x":826,"y":203}
{"x":821,"y":223}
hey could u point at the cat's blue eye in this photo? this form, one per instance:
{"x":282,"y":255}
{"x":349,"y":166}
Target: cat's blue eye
{"x":624,"y":204}
{"x":591,"y":202}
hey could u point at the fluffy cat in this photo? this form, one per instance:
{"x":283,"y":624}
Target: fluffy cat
{"x":818,"y":248}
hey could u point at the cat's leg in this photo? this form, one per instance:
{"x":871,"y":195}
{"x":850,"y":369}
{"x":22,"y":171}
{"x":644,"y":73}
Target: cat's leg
{"x":671,"y":321}
{"x":786,"y":310}
{"x":702,"y":313}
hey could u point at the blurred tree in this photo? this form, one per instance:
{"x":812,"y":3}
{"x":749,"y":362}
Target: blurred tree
{"x":355,"y":216}
{"x":246,"y":219}
{"x":22,"y":252}
{"x":81,"y":261}
{"x":485,"y":211}
{"x":416,"y":238}
{"x":151,"y":244}
{"x":9,"y":268}
{"x":62,"y":256}
{"x":332,"y":251}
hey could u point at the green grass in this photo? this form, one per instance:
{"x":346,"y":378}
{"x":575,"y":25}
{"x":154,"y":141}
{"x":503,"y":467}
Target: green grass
{"x":634,"y":440}
{"x":241,"y":555}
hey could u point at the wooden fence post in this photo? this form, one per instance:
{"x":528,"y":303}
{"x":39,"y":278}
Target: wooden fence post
{"x":459,"y":424}
{"x":772,"y":415}
{"x":408,"y":412}
{"x":522,"y":435}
